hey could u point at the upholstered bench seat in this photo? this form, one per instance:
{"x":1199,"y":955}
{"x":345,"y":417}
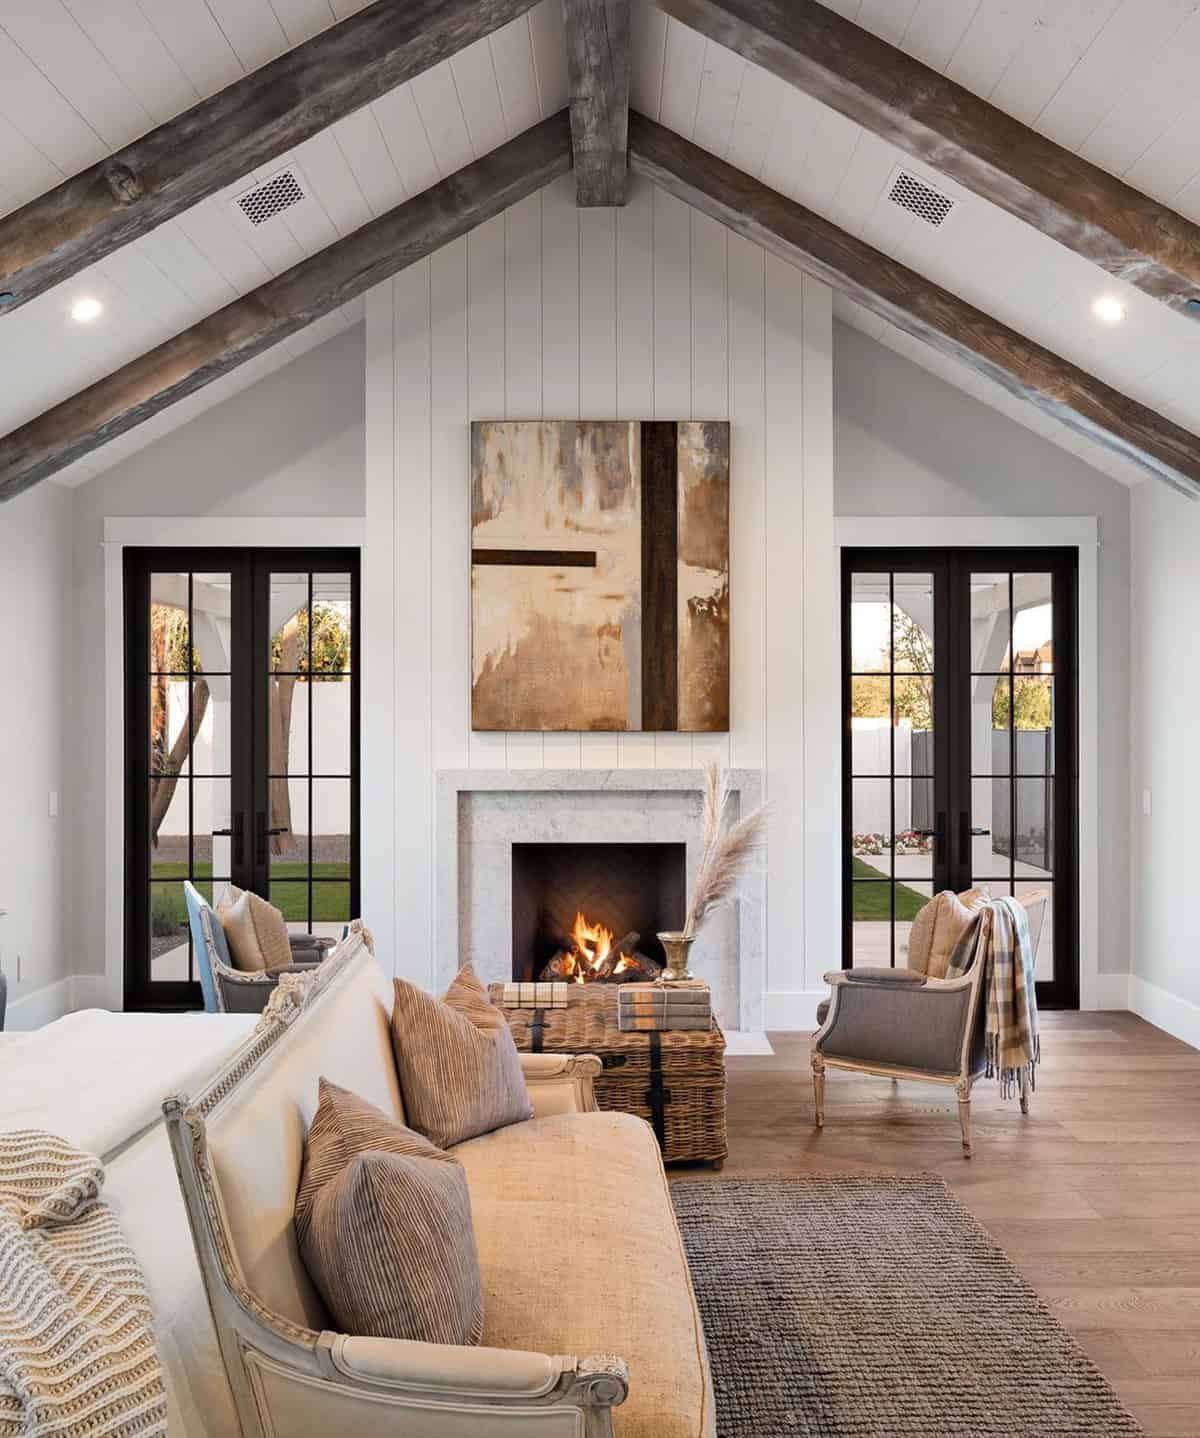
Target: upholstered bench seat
{"x":573,"y":1222}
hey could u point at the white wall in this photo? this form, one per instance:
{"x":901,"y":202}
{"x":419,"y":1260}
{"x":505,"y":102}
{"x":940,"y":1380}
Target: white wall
{"x":290,"y":446}
{"x":35,"y":560}
{"x":650,"y":311}
{"x":907,"y":443}
{"x":1165,"y":986}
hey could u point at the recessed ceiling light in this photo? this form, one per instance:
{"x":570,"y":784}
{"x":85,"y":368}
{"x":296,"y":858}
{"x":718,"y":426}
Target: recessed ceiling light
{"x":1109,"y":310}
{"x":85,"y":310}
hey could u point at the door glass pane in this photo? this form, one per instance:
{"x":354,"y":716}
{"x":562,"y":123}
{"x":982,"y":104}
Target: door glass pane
{"x":911,"y":898}
{"x":287,"y":852}
{"x":991,"y":623}
{"x":871,"y":729}
{"x":331,"y":828}
{"x":915,"y":822}
{"x":1033,"y":719}
{"x":991,"y":827}
{"x":170,"y":950}
{"x":332,"y":621}
{"x":912,"y":623}
{"x":1033,"y":624}
{"x":870,"y":633}
{"x":871,"y":831}
{"x":169,"y":626}
{"x":1044,"y":940}
{"x":871,"y":929}
{"x":991,"y":741}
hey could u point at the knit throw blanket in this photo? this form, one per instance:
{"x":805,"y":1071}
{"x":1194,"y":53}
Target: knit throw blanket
{"x":77,"y":1353}
{"x":1001,"y":942}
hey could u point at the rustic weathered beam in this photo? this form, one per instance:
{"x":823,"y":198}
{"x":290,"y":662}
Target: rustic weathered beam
{"x":598,"y":71}
{"x":248,"y":123}
{"x":284,"y":305}
{"x":939,"y":122}
{"x":916,"y":305}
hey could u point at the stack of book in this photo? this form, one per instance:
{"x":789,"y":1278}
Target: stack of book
{"x":649,"y":1007}
{"x":541,"y":995}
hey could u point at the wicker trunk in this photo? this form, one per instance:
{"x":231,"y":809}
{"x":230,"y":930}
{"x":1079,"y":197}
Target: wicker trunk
{"x":674,"y":1080}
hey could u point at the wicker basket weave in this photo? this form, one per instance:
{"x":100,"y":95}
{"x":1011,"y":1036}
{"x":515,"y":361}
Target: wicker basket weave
{"x":675,"y":1080}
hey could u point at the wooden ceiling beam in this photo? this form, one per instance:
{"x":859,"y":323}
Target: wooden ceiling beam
{"x":938,"y":122}
{"x":284,"y":305}
{"x":915,"y":304}
{"x":263,"y":115}
{"x":597,"y":33}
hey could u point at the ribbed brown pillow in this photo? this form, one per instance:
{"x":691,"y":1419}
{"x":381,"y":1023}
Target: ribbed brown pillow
{"x":383,"y":1219}
{"x":458,"y":1066}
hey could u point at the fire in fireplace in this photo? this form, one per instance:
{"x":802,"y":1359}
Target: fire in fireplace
{"x":571,"y":900}
{"x":589,"y":955}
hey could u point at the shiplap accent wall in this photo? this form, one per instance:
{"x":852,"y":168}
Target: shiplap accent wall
{"x":553,"y":312}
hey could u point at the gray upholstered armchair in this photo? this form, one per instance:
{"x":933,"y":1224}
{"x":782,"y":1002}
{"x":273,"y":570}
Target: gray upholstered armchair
{"x":900,"y":1024}
{"x":228,"y":990}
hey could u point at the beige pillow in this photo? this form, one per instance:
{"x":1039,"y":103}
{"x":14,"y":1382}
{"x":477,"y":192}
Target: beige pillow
{"x":383,"y":1220}
{"x":938,"y":927}
{"x":458,"y":1066}
{"x":256,"y":932}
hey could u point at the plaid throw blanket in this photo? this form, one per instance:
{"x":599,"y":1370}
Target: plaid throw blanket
{"x":1001,"y":942}
{"x":77,"y":1352}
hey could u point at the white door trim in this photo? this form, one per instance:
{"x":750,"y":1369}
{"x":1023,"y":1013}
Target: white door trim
{"x":904,"y":532}
{"x":162,"y":533}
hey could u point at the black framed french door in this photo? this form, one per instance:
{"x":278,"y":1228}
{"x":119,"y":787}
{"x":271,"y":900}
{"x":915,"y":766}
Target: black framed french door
{"x":960,"y":742}
{"x":241,"y":756}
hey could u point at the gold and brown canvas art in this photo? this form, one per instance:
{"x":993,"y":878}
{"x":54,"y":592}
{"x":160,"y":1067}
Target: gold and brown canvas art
{"x":600,"y":575}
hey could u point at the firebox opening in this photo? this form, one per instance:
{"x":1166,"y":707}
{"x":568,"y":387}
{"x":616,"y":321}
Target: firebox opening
{"x":625,"y":888}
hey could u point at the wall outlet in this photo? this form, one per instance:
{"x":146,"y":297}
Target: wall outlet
{"x":1147,"y":803}
{"x":53,"y":803}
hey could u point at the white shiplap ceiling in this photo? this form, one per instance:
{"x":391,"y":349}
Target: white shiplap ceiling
{"x":1112,"y":79}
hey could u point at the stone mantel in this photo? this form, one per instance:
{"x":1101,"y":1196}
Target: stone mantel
{"x":481,"y":813}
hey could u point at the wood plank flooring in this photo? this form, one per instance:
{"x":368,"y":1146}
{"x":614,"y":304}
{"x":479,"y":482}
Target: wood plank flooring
{"x":1095,"y":1196}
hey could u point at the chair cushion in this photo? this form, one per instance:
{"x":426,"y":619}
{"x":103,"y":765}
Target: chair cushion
{"x":580,"y":1253}
{"x":257,"y":933}
{"x":458,"y":1066}
{"x":384,"y":1224}
{"x":822,"y":1011}
{"x":938,"y":927}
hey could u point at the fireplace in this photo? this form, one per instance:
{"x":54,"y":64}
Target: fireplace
{"x":630,"y":891}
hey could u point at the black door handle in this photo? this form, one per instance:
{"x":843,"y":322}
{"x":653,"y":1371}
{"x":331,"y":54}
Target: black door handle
{"x":238,"y":834}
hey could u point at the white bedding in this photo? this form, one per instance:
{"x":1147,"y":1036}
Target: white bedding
{"x":98,"y":1079}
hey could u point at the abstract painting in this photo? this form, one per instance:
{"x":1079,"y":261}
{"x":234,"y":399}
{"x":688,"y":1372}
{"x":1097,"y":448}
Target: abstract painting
{"x":600,"y":575}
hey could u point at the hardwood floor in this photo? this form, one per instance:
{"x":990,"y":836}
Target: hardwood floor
{"x":1095,"y":1196}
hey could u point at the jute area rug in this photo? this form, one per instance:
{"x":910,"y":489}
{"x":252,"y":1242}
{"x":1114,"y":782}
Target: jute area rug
{"x":877,"y":1307}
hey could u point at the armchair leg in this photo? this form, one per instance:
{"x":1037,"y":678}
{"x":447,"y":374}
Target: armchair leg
{"x":818,"y":1069}
{"x":1023,"y":1081}
{"x":964,"y":1116}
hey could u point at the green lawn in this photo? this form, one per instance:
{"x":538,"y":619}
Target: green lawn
{"x":330,"y":901}
{"x":871,"y":901}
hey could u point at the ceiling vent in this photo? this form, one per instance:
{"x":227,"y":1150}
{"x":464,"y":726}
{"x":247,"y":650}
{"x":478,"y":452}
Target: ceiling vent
{"x":278,"y":192}
{"x":913,"y":194}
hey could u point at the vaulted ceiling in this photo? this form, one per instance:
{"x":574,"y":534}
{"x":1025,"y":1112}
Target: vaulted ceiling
{"x":1111,"y":80}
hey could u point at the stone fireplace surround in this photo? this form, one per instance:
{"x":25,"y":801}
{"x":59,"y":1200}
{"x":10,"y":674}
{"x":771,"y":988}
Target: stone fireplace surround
{"x":481,"y":813}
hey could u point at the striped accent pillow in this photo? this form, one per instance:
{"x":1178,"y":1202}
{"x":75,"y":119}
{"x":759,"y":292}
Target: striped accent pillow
{"x":459,"y":1069}
{"x":384,"y":1224}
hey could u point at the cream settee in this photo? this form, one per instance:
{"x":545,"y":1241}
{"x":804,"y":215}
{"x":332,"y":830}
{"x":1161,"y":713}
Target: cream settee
{"x":578,"y":1245}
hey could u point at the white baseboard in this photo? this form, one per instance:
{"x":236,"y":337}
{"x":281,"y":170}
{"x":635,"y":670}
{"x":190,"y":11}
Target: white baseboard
{"x":742,"y":1043}
{"x":792,"y":1010}
{"x":1178,"y":1017}
{"x":42,"y":1006}
{"x":52,"y":1001}
{"x":1111,"y":991}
